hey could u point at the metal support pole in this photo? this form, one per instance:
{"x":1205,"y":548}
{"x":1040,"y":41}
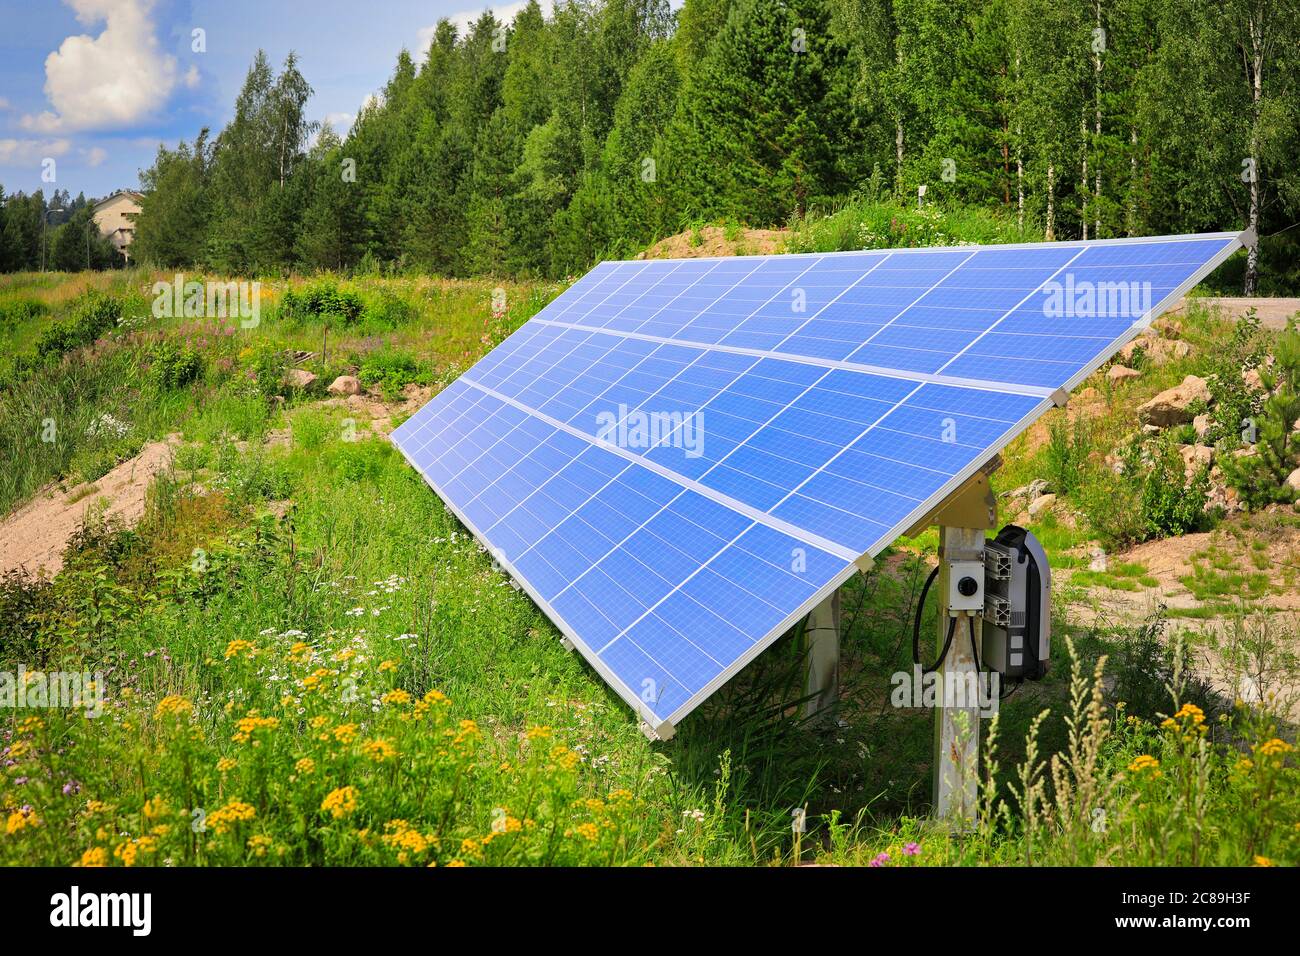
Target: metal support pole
{"x":822,"y":687}
{"x":957,"y":722}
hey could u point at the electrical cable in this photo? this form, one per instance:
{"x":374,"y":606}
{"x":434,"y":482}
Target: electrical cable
{"x":916,"y":629}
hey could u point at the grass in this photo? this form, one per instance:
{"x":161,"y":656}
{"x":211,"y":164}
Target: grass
{"x":309,"y":661}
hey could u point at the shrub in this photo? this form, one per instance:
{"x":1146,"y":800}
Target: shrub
{"x":172,"y":366}
{"x":389,"y":370}
{"x":323,"y":302}
{"x":93,"y":314}
{"x":388,"y":311}
{"x":1260,"y":478}
{"x":16,"y":313}
{"x":1234,"y":400}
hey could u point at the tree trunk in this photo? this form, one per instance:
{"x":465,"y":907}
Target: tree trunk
{"x":1083,"y":179}
{"x":1251,"y":282}
{"x":1049,"y":233}
{"x":1096,"y":222}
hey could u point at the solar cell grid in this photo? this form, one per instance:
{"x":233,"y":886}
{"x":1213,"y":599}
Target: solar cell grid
{"x":679,"y":459}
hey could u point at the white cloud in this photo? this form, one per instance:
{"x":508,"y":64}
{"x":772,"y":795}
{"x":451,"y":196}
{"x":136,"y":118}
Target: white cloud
{"x":465,"y":19}
{"x":4,"y":103}
{"x":95,"y":156}
{"x":114,"y":79}
{"x":30,"y":152}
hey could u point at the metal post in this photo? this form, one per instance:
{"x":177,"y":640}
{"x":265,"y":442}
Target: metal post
{"x":957,"y":722}
{"x":822,"y":687}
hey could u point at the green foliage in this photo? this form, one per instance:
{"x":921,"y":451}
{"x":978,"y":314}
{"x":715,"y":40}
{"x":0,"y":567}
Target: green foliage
{"x":1067,"y":453}
{"x":1235,"y":403}
{"x":1152,"y":497}
{"x":1261,"y":476}
{"x":172,"y":365}
{"x":323,"y":302}
{"x":16,"y":313}
{"x":390,"y":370}
{"x":90,"y":316}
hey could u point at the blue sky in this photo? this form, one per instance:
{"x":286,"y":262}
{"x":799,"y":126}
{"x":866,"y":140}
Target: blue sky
{"x":95,"y":85}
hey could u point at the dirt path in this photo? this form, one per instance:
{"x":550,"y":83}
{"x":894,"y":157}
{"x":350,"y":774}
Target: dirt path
{"x":35,"y":535}
{"x":1272,"y":312}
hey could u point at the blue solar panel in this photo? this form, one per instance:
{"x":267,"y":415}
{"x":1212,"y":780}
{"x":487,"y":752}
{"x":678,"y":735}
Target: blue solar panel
{"x":678,"y":459}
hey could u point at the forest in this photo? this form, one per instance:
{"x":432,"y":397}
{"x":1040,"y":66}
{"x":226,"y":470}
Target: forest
{"x":539,"y":146}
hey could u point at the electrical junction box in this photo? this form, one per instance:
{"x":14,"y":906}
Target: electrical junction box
{"x":966,"y":587}
{"x":1017,"y":605}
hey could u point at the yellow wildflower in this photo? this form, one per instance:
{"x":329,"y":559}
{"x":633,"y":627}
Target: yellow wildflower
{"x":1144,"y":762}
{"x":95,"y":856}
{"x":173,"y":705}
{"x":234,"y":812}
{"x":259,"y":843}
{"x":386,"y":666}
{"x":240,"y":646}
{"x":379,"y":750}
{"x":396,"y":697}
{"x":306,"y":766}
{"x":341,"y":802}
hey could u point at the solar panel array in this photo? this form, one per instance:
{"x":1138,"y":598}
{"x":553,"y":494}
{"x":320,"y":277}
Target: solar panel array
{"x":678,"y":459}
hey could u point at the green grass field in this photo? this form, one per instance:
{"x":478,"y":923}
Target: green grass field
{"x":307,"y":660}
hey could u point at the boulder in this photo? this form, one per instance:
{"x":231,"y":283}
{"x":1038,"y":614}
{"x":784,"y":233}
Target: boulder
{"x":1122,"y":373}
{"x":1253,"y":380}
{"x":1201,"y":425}
{"x":1041,"y":504}
{"x":345,"y":385}
{"x":1173,"y":405}
{"x":299,"y":378}
{"x":1035,"y":489}
{"x":1293,"y":480}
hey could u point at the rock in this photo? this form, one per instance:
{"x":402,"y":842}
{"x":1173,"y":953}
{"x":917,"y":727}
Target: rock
{"x":1151,"y":429}
{"x":345,"y":385}
{"x":1115,"y":464}
{"x":1253,"y":380}
{"x":1089,"y":394}
{"x":299,"y":378}
{"x":1201,"y":425}
{"x":1035,"y":489}
{"x":1143,"y":342}
{"x":1041,"y":504}
{"x":1173,"y":405}
{"x":1167,"y":327}
{"x":1293,"y":480}
{"x":1179,"y":349}
{"x":1122,"y":373}
{"x":1196,"y":457}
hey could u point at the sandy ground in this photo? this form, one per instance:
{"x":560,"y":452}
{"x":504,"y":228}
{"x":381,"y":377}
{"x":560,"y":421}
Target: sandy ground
{"x":714,"y":242}
{"x":1272,"y":312}
{"x":35,"y":535}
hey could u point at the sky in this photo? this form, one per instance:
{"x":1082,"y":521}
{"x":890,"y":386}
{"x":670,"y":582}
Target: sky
{"x":96,"y":85}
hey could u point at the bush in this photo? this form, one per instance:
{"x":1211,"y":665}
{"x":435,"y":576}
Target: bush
{"x":388,"y":311}
{"x":1234,"y":400}
{"x":389,"y":370}
{"x":1260,"y":478}
{"x":1151,"y":498}
{"x":16,"y":313}
{"x":324,"y":302}
{"x":172,"y":366}
{"x":93,"y":314}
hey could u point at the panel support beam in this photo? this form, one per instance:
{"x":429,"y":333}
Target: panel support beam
{"x":822,"y":634}
{"x":957,"y":715}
